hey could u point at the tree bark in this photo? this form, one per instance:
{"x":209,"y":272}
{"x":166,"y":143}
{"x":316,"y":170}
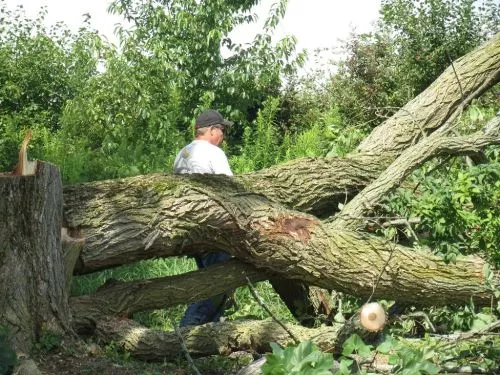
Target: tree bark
{"x":160,"y":215}
{"x":32,"y":284}
{"x":209,"y":339}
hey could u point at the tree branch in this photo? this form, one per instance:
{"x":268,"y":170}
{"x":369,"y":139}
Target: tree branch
{"x":209,"y":339}
{"x":126,"y":298}
{"x":411,"y":159}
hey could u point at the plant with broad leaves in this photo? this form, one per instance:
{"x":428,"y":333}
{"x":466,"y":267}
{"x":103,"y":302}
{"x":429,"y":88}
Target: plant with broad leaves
{"x":303,"y":359}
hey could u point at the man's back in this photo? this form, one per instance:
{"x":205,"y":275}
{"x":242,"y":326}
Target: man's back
{"x":201,"y":157}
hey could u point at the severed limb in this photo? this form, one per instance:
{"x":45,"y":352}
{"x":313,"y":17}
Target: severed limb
{"x":412,"y":158}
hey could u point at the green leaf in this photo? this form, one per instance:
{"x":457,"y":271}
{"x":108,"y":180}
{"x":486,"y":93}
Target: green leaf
{"x":302,"y":359}
{"x":481,"y":321}
{"x":355,"y":345}
{"x":344,"y":367}
{"x":386,"y":346}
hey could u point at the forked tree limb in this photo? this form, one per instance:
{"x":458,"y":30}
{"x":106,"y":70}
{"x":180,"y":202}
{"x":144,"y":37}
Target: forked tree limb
{"x":412,"y":158}
{"x":130,"y":220}
{"x":317,"y":185}
{"x":160,"y":215}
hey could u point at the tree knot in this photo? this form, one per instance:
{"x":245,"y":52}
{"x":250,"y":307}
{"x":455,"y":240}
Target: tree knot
{"x":297,"y":227}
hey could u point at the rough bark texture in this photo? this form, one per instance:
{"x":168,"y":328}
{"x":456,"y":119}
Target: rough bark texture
{"x":209,"y":339}
{"x":161,"y":215}
{"x":32,"y":284}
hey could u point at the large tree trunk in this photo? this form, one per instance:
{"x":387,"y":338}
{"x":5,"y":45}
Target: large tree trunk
{"x":161,"y":215}
{"x":32,"y":284}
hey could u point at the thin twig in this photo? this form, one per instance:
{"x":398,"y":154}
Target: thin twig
{"x":262,"y":304}
{"x":436,"y":167}
{"x":374,"y":289}
{"x":186,"y":351}
{"x":456,"y":76}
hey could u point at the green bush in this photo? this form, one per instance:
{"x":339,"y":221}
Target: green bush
{"x":458,"y":209}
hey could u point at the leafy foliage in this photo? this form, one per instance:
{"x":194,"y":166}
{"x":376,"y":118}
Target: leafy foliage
{"x":99,"y":112}
{"x":303,"y":359}
{"x":49,"y":340}
{"x":183,"y":39}
{"x":415,"y":41}
{"x":430,"y":34}
{"x":408,"y":358}
{"x":458,"y":209}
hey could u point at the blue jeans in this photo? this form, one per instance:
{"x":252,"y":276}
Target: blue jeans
{"x":211,"y":309}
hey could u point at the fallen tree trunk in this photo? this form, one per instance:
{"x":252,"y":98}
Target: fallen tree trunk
{"x":209,"y":339}
{"x":159,"y":215}
{"x":226,"y":337}
{"x":131,"y":219}
{"x":319,"y":178}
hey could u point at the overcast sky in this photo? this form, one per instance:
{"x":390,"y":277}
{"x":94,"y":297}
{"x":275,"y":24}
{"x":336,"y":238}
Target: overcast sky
{"x":315,"y":23}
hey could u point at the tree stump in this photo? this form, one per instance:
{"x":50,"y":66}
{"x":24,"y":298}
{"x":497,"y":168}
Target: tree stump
{"x":33,"y":297}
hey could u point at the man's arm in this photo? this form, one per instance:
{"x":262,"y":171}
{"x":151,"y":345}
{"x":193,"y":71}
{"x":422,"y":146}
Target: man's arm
{"x":220,"y":164}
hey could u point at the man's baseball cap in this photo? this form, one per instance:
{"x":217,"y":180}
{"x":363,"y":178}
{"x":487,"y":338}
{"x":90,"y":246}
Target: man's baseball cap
{"x":211,"y":117}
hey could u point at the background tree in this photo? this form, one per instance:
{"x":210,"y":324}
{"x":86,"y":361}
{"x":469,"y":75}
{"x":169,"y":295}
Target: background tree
{"x":414,"y":41}
{"x":100,"y":112}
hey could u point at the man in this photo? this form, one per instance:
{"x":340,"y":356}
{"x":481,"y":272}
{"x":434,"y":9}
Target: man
{"x":204,"y":156}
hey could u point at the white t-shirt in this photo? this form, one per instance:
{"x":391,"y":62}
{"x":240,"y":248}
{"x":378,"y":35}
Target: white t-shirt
{"x":202,"y":157}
